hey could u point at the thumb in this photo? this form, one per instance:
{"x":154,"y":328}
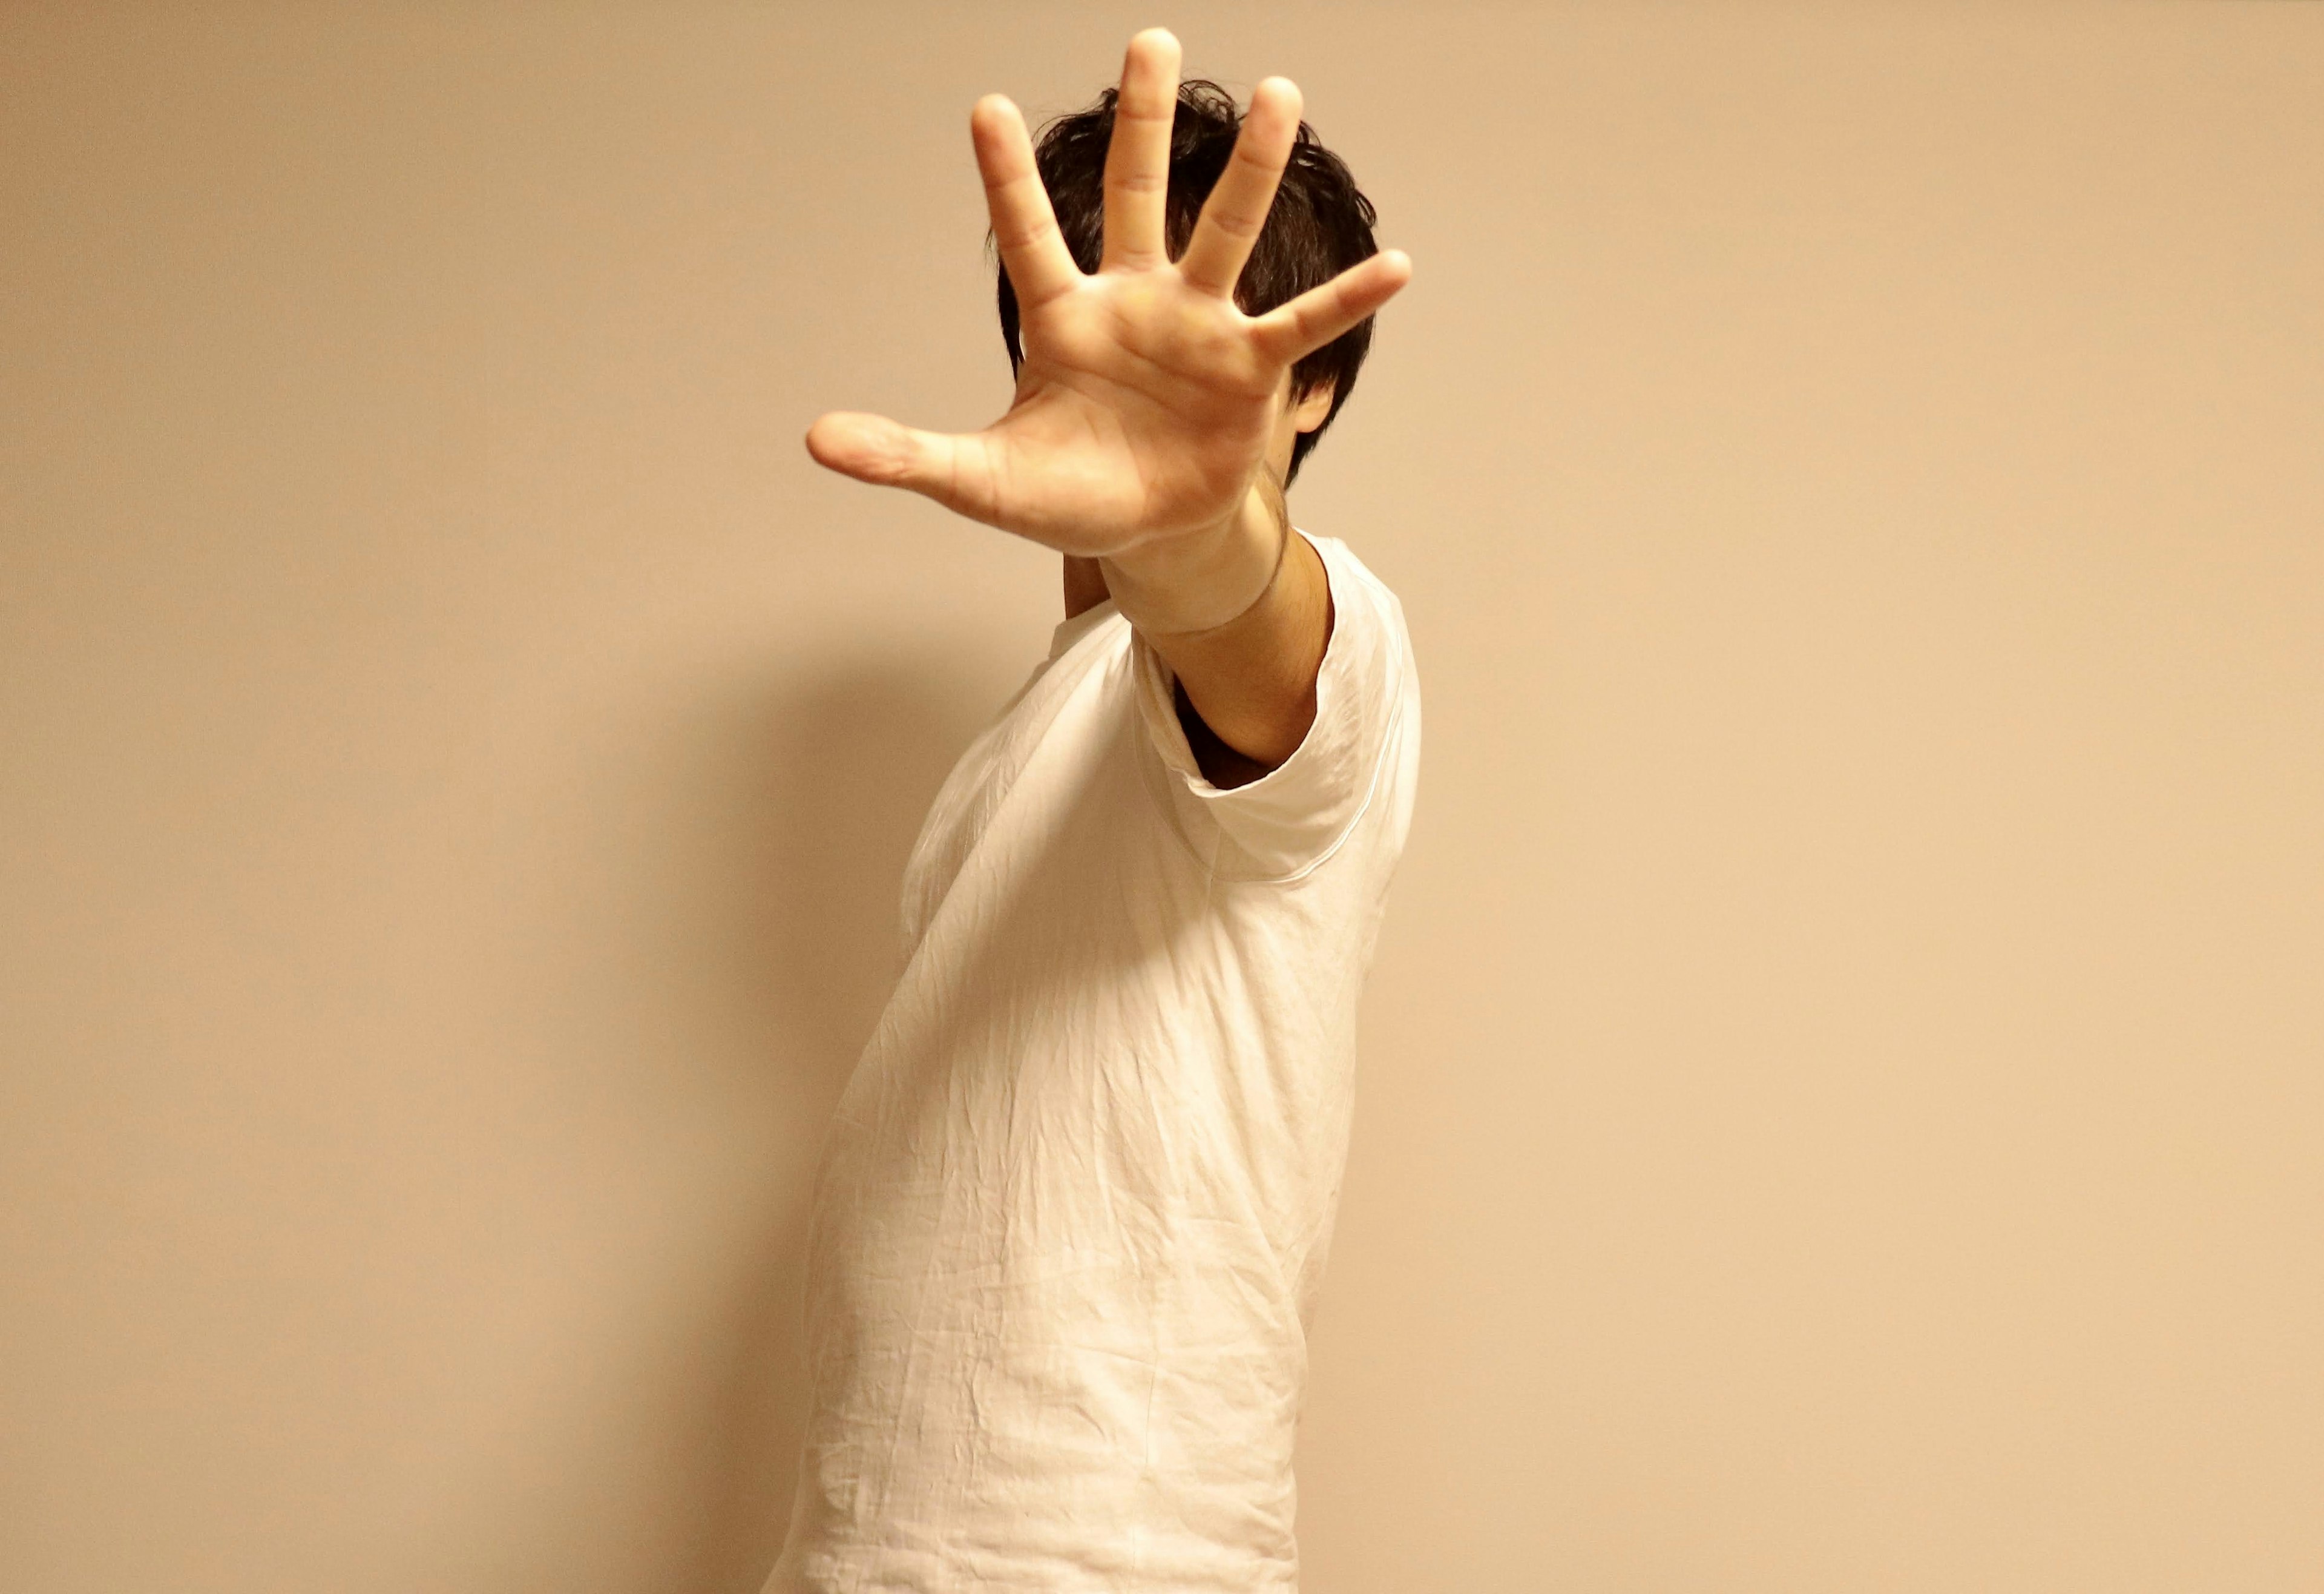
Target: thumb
{"x":873,"y":448}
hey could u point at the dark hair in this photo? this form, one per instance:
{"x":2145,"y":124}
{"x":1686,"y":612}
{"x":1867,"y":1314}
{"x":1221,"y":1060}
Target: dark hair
{"x":1320,"y":225}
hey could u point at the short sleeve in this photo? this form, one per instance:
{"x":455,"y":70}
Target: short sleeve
{"x":1291,"y":818}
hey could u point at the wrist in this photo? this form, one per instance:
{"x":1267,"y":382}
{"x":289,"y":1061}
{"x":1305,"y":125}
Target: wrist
{"x":1203,"y":580}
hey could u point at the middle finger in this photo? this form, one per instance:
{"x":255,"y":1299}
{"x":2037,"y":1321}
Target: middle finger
{"x":1138,"y":156}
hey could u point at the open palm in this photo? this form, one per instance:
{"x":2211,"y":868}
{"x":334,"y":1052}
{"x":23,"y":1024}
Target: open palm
{"x":1147,"y":398}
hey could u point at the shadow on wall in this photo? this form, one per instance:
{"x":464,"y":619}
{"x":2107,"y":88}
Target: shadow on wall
{"x":725,"y":892}
{"x":847,"y":763}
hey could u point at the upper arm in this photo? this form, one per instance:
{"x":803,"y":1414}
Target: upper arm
{"x":1254,"y":819}
{"x":1084,"y":585}
{"x":1221,"y":765}
{"x":1251,"y":682}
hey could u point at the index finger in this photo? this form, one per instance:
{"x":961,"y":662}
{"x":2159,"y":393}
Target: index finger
{"x":1024,"y":225}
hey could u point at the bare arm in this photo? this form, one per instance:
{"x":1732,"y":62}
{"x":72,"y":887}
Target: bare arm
{"x":1253,"y":677}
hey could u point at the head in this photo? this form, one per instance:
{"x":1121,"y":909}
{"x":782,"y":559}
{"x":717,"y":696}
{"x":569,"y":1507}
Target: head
{"x":1321,"y":223}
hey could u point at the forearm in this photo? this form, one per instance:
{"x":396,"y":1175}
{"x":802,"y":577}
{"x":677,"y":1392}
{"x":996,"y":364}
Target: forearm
{"x":1198,"y":582}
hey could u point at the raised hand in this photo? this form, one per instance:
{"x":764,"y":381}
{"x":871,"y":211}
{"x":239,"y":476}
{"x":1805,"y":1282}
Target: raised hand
{"x":1147,"y":398}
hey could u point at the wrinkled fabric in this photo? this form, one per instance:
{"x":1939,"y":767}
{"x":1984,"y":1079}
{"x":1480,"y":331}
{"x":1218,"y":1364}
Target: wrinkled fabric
{"x":1073,"y":1208}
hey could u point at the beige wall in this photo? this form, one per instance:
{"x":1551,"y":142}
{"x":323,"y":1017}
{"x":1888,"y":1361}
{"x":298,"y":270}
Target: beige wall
{"x":1842,"y":1101}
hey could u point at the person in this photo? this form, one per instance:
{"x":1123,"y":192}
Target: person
{"x":1073,"y":1207}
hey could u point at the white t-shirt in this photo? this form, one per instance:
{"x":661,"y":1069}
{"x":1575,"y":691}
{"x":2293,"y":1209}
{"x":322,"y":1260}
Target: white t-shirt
{"x":1073,"y":1205}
